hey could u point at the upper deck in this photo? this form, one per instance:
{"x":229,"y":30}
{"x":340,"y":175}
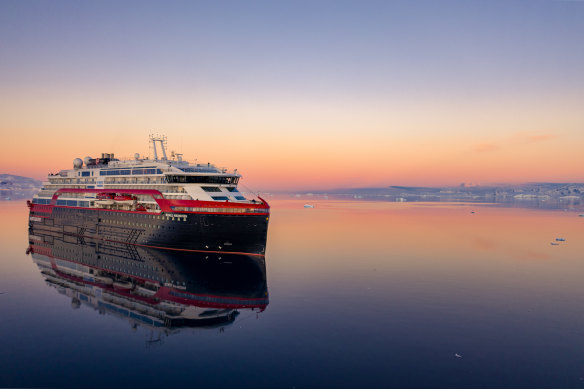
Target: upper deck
{"x":174,"y":178}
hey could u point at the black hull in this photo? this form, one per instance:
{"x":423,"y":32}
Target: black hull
{"x":230,"y":233}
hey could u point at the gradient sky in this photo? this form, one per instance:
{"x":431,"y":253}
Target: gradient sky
{"x":300,"y":94}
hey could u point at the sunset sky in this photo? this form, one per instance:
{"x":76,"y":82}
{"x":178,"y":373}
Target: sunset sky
{"x":300,"y":95}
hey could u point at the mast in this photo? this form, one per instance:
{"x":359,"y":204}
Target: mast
{"x":162,"y":139}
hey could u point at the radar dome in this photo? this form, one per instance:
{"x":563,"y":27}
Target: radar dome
{"x":136,"y":156}
{"x":86,"y":160}
{"x":77,"y":163}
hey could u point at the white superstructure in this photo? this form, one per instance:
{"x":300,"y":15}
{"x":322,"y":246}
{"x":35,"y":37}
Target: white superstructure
{"x":174,"y":178}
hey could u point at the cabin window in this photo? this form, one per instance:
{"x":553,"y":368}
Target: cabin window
{"x":125,"y":172}
{"x":203,"y":179}
{"x":211,"y":189}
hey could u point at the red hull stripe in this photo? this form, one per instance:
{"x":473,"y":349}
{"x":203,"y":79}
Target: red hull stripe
{"x":41,"y":208}
{"x":50,"y":207}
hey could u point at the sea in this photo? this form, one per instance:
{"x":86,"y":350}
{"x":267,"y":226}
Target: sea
{"x":357,"y":294}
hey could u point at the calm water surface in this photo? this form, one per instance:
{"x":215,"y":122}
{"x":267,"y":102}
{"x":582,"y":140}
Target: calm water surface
{"x":358,"y":294}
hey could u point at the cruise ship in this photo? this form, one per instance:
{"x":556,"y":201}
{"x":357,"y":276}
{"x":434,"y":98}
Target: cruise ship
{"x":160,"y":202}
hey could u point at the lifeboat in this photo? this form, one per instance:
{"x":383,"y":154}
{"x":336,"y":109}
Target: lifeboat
{"x":124,"y":199}
{"x":104,"y":199}
{"x":104,"y":196}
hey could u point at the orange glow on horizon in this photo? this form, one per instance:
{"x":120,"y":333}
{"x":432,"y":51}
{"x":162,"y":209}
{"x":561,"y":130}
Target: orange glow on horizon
{"x":352,"y":144}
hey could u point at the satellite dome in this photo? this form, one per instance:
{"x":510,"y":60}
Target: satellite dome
{"x":136,"y":156}
{"x":86,"y":160}
{"x":77,"y":163}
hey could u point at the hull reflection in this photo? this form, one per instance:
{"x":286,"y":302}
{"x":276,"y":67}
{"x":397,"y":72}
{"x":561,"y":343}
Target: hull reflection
{"x":155,"y":288}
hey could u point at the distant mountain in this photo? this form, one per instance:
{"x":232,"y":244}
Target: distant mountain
{"x":18,"y":181}
{"x":533,"y":194}
{"x":536,"y":188}
{"x":14,"y":187}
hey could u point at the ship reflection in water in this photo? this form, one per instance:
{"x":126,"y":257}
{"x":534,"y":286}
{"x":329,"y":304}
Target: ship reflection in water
{"x":154,"y":288}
